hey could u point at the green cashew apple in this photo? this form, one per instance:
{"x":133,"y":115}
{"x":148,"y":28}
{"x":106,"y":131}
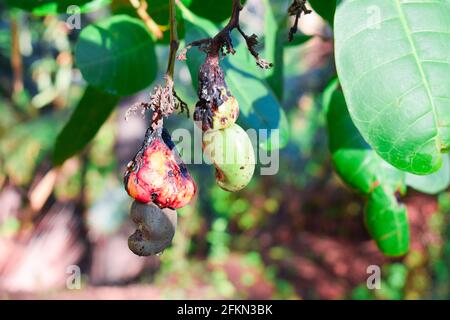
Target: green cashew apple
{"x":218,"y":116}
{"x":155,"y":228}
{"x":226,"y":113}
{"x":231,"y":152}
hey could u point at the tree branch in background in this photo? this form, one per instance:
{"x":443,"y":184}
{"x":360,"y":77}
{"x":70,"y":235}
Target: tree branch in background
{"x":222,"y":42}
{"x":296,"y":9}
{"x":141,"y":9}
{"x":16,"y":58}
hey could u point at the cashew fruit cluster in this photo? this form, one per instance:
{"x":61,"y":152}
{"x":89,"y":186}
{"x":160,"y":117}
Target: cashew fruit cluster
{"x":159,"y":183}
{"x":225,"y":143}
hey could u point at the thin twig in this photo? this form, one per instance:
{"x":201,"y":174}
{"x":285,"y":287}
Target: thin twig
{"x":141,"y":9}
{"x":174,"y":42}
{"x":222,"y":42}
{"x":296,"y":9}
{"x":174,"y":45}
{"x":165,"y":100}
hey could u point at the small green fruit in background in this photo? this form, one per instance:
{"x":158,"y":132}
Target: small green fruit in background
{"x":155,"y":228}
{"x":231,"y":151}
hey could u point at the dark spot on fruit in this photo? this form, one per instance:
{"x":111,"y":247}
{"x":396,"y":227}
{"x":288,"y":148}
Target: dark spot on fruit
{"x":154,"y":196}
{"x":242,"y":168}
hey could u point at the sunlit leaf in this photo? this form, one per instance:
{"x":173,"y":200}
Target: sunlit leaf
{"x":393,"y":62}
{"x":431,"y":183}
{"x":117,"y":55}
{"x":355,"y":162}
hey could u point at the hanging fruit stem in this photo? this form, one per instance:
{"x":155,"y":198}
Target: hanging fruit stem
{"x":164,"y":100}
{"x":174,"y":42}
{"x":222,"y":43}
{"x":296,"y":9}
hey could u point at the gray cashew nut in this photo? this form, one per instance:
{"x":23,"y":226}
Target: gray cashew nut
{"x":155,"y":228}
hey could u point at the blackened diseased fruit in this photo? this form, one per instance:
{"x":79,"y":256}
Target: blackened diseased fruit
{"x":157,"y":173}
{"x":217,"y":108}
{"x":232,"y":153}
{"x":155,"y":228}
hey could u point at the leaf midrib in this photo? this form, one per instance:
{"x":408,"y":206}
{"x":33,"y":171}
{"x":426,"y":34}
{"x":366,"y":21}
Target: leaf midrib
{"x":418,"y":61}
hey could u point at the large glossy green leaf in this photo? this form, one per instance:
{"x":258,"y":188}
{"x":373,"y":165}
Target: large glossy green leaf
{"x":432,"y":183}
{"x":387,"y":222}
{"x":325,"y":8}
{"x":45,"y":7}
{"x":117,"y":55}
{"x":259,"y":107}
{"x":91,"y":112}
{"x":355,"y":162}
{"x":362,"y":169}
{"x":393,"y":62}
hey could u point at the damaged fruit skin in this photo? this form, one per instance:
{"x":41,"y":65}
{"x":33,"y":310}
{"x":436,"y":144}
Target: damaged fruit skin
{"x":232,"y":153}
{"x":155,"y":228}
{"x":217,"y":108}
{"x":158,"y":175}
{"x":223,"y":116}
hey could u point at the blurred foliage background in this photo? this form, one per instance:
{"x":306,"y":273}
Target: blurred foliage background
{"x":295,"y":235}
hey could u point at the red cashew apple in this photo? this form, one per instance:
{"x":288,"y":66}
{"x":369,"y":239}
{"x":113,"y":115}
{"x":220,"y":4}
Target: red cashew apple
{"x":157,"y":174}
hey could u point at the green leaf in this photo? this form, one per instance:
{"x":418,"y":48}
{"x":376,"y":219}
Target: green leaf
{"x":393,"y":62}
{"x":159,"y":11}
{"x":387,"y":222}
{"x":432,"y":183}
{"x":362,"y":169}
{"x":274,"y":39}
{"x":216,"y":11}
{"x":117,"y":55}
{"x":259,"y":107}
{"x":91,"y":112}
{"x":325,"y":9}
{"x":299,"y":39}
{"x":49,"y":7}
{"x":355,"y":162}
